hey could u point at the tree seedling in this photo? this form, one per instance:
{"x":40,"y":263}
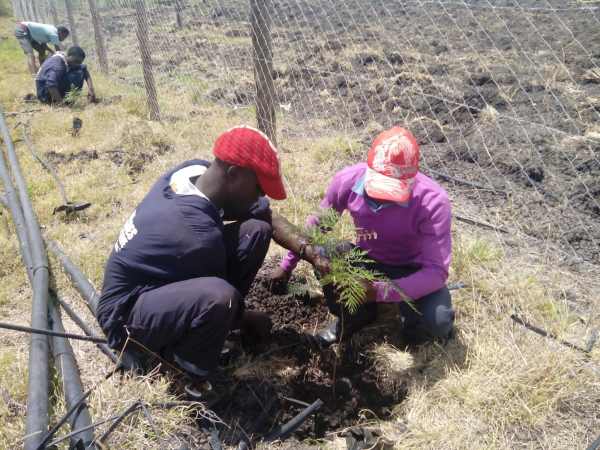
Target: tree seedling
{"x":350,"y":270}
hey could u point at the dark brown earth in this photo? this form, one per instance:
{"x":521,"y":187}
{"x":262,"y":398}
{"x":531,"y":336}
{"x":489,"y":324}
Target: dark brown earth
{"x":254,"y":406}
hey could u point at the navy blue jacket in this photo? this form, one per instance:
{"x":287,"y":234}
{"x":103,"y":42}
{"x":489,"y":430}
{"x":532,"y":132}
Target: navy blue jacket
{"x":168,"y":238}
{"x":55,"y":73}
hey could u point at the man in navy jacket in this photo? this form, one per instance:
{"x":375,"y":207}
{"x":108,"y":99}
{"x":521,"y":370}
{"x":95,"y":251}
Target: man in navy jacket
{"x":61,"y":73}
{"x":181,"y":266}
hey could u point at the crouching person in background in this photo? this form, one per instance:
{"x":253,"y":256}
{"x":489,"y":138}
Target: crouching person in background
{"x":62,"y":73}
{"x":402,"y":220}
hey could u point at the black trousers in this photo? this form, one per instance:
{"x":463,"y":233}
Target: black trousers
{"x":188,"y":321}
{"x":429,"y":317}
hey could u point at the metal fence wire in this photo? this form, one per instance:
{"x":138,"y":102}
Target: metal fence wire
{"x":503,"y":95}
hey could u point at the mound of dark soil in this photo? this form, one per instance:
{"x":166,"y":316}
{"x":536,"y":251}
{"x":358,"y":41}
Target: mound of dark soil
{"x":346,"y":383}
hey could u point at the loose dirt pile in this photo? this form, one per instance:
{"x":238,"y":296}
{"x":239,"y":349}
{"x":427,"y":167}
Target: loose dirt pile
{"x":264,"y":391}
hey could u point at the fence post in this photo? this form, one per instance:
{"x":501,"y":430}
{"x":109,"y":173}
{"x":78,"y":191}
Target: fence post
{"x":142,"y":35}
{"x":100,"y":49}
{"x":260,"y":20}
{"x":34,"y":10}
{"x":178,"y":11}
{"x":26,"y":12}
{"x":53,"y":12}
{"x":17,"y":9}
{"x":43,"y":12}
{"x":73,"y":31}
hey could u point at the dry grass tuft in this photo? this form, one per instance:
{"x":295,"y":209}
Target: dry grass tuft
{"x":264,"y":369}
{"x":393,"y":362}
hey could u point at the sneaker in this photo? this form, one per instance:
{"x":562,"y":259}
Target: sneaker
{"x":330,"y":334}
{"x":202,"y":391}
{"x":352,"y":323}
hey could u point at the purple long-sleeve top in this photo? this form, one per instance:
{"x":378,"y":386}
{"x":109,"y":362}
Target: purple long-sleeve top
{"x":417,"y":233}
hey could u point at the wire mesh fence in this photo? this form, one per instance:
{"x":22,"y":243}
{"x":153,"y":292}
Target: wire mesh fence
{"x":503,"y":96}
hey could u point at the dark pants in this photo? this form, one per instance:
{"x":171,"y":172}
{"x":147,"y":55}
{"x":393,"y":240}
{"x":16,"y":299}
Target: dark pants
{"x":74,"y":79}
{"x":188,"y":321}
{"x":430,"y":317}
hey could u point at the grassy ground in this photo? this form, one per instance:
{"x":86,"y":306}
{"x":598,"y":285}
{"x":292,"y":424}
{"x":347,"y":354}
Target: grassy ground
{"x":495,"y":386}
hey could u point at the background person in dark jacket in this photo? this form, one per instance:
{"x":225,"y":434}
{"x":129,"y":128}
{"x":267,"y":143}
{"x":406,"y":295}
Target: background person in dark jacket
{"x":60,"y":73}
{"x":37,"y":36}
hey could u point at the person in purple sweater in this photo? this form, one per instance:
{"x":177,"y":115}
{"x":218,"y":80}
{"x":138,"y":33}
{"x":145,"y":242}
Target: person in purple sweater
{"x":403,"y":221}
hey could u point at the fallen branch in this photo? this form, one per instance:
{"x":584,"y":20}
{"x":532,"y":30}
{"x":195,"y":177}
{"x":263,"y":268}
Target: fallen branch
{"x":545,"y":333}
{"x":447,"y":177}
{"x":480,"y":224}
{"x":18,"y":113}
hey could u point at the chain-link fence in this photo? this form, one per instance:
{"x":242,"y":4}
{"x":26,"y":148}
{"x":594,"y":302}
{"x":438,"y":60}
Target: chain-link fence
{"x":504,"y":96}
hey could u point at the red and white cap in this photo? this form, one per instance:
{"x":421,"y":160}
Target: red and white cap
{"x":248,"y":147}
{"x":393,"y":165}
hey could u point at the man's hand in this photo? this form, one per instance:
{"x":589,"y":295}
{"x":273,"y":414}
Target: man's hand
{"x":316,"y":256}
{"x":92,"y":97}
{"x":278,"y":281}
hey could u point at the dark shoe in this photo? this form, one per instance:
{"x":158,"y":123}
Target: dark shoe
{"x":135,"y":361}
{"x":330,"y":334}
{"x":344,"y":328}
{"x":202,"y":391}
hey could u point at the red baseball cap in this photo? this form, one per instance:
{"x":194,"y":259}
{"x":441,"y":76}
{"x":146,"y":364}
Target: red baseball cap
{"x":248,"y":147}
{"x":393,"y":165}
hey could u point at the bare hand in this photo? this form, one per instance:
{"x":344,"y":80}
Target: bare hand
{"x":278,"y":281}
{"x":92,"y":97}
{"x":317,"y":258}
